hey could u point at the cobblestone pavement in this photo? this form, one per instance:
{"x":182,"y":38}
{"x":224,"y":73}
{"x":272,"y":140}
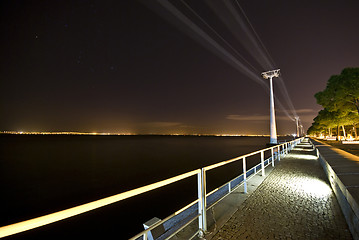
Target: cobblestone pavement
{"x":294,"y":202}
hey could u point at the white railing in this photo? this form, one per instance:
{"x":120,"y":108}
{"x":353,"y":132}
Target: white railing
{"x":276,"y":152}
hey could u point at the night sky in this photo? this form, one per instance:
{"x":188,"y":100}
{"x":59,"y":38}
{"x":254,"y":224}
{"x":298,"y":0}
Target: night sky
{"x":132,"y":67}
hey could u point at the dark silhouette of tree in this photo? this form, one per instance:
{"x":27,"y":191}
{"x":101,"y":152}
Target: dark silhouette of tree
{"x":341,"y":92}
{"x":340,"y":100}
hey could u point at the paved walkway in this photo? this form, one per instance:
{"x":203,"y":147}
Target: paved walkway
{"x":293,"y":202}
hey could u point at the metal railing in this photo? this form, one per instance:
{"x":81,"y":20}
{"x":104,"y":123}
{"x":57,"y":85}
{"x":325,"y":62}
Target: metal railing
{"x":276,"y":152}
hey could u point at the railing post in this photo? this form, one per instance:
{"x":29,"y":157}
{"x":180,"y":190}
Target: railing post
{"x":262,"y":163}
{"x":244,"y":175}
{"x":278,"y":152}
{"x":145,"y":236}
{"x":283,"y":149}
{"x":272,"y":157}
{"x":202,"y":221}
{"x":286,"y":148}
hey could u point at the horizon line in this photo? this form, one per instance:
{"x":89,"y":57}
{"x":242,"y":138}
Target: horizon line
{"x":128,"y":134}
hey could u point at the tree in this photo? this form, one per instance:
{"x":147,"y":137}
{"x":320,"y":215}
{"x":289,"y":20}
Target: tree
{"x":341,"y":92}
{"x":348,"y":94}
{"x":327,"y":119}
{"x":353,"y":119}
{"x":340,"y":100}
{"x":315,"y":129}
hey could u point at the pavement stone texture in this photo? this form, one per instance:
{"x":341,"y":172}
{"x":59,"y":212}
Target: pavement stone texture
{"x":294,"y":202}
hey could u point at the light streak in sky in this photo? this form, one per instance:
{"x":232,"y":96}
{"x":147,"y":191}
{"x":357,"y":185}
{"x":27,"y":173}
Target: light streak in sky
{"x":254,"y":44}
{"x":263,"y":56}
{"x":216,"y":47}
{"x":211,"y":44}
{"x":217,"y":34}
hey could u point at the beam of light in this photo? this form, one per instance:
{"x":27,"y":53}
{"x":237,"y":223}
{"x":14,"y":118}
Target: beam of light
{"x":218,"y":49}
{"x":254,"y":39}
{"x":208,"y":42}
{"x":270,"y":60}
{"x":261,"y":54}
{"x":57,"y":216}
{"x":264,"y":53}
{"x":229,"y":16}
{"x":218,"y":35}
{"x":211,"y":44}
{"x":285,"y":93}
{"x":284,"y":110}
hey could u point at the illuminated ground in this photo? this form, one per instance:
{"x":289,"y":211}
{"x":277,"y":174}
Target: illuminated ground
{"x":293,"y":202}
{"x":352,"y":148}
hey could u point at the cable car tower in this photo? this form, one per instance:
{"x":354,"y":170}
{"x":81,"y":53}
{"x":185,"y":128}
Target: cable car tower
{"x":273,"y":129}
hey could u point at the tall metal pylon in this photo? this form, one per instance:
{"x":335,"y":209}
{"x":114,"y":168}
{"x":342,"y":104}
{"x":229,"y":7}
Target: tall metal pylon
{"x":273,"y":129}
{"x":297,"y":123}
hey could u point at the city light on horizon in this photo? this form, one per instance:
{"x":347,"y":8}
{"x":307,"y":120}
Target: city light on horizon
{"x":133,"y":134}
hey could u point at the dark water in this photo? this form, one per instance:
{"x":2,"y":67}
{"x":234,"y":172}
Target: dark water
{"x":43,"y":174}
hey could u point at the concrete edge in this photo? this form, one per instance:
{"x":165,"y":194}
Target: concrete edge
{"x":347,"y":203}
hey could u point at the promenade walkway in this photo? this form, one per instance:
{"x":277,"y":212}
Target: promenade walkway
{"x":295,"y":201}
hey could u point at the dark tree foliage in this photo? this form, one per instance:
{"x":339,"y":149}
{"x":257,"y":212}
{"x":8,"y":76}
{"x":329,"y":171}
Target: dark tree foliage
{"x":340,"y":100}
{"x":342,"y":92}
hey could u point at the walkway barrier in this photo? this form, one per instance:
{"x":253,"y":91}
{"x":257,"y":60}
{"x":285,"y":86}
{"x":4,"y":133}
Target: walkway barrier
{"x":197,"y":208}
{"x":342,"y":174}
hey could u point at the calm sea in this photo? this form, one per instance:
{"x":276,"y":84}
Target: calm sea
{"x":43,"y":174}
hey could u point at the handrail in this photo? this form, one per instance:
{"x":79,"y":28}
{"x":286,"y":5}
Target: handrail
{"x":57,"y":216}
{"x":201,"y":200}
{"x":240,"y":184}
{"x":240,"y":157}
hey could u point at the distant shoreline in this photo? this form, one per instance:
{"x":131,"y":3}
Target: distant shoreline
{"x":130,"y":134}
